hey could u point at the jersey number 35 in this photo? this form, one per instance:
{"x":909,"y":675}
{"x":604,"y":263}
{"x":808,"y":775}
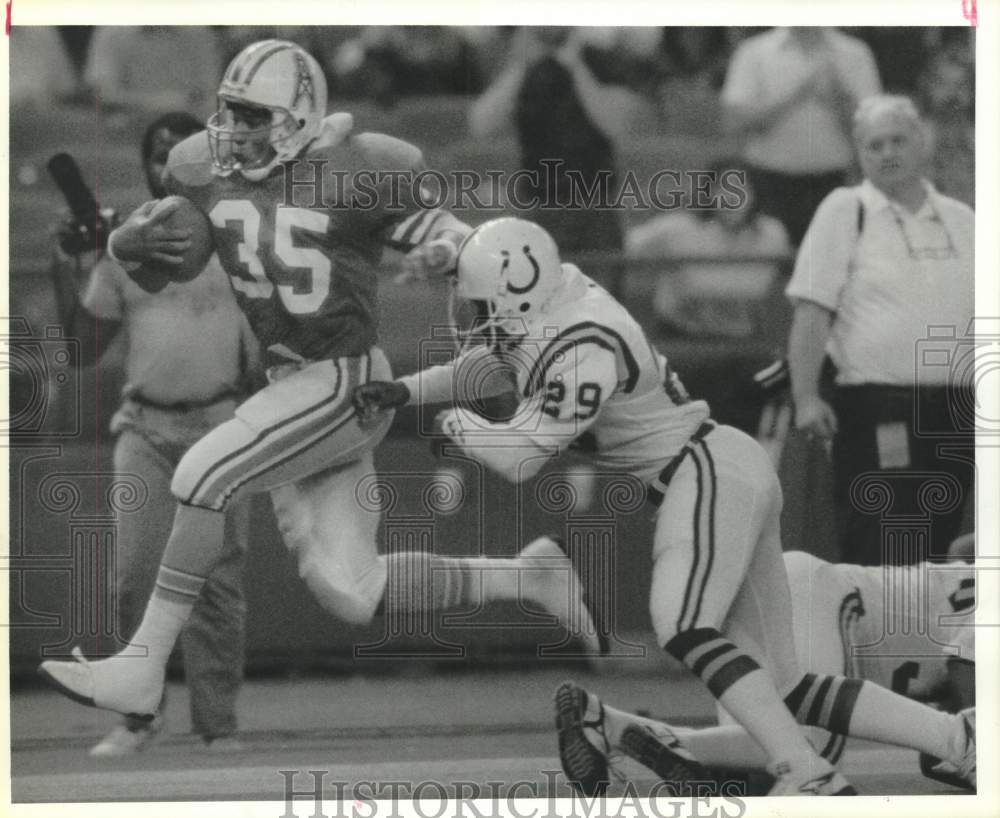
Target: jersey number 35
{"x":303,"y":275}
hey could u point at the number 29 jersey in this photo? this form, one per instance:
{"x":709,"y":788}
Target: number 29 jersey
{"x":586,"y":376}
{"x":593,"y":375}
{"x":302,"y":246}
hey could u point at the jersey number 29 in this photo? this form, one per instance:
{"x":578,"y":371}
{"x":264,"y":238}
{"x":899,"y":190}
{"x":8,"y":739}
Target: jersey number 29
{"x":588,"y":398}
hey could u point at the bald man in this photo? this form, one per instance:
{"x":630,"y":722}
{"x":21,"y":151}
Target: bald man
{"x":884,"y":286}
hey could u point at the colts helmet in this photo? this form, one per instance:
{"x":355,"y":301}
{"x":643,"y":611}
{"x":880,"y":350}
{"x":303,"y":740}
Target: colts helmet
{"x":282,"y":77}
{"x":508,"y":269}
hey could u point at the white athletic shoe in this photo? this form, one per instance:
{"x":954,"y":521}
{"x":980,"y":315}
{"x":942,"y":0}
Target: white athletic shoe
{"x":815,"y":777}
{"x":558,"y":590}
{"x":126,"y":740}
{"x":123,"y":684}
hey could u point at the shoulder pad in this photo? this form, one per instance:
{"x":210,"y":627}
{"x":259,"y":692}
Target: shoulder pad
{"x":584,"y":331}
{"x":335,"y":131}
{"x":384,"y":152}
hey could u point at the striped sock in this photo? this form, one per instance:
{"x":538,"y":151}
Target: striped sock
{"x":858,"y":708}
{"x":196,"y":541}
{"x":825,"y":701}
{"x":419,"y":581}
{"x":712,"y":658}
{"x":745,"y":690}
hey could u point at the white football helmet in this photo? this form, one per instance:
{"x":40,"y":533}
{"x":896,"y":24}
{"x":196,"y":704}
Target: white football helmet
{"x":282,"y":77}
{"x":508,"y":269}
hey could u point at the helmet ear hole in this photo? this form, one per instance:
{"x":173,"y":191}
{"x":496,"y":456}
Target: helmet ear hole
{"x":525,"y":306}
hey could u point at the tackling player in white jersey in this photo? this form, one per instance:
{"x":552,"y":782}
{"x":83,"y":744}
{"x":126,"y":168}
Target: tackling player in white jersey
{"x":719,"y":599}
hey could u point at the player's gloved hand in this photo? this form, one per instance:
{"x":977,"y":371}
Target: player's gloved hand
{"x":75,"y":238}
{"x":143,"y":238}
{"x":433,"y":258}
{"x":377,"y":396}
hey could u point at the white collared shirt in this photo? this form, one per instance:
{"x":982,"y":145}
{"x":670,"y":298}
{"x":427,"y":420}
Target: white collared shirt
{"x":808,"y":137}
{"x":905,"y":285}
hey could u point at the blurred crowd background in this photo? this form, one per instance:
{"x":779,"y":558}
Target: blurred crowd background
{"x":672,"y":76}
{"x":706,"y":287}
{"x":390,"y":63}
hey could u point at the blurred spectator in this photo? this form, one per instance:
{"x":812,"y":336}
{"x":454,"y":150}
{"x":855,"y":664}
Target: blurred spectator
{"x":789,"y":93}
{"x":881,"y":264}
{"x":947,"y":95}
{"x":631,"y":56}
{"x":548,"y":94}
{"x":76,"y":39}
{"x":155,"y":68}
{"x":41,"y":73}
{"x":387,"y":62}
{"x":488,"y":47}
{"x":697,"y":51}
{"x":233,"y":39}
{"x":713,"y":287}
{"x":900,"y":53}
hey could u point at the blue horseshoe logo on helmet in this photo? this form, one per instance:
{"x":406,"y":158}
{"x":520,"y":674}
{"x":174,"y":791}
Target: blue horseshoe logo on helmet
{"x":534,"y":266}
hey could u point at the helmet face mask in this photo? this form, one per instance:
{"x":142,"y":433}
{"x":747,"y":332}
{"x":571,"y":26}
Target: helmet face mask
{"x":272,"y":101}
{"x":238,"y":142}
{"x":507,"y":272}
{"x":475,"y":322}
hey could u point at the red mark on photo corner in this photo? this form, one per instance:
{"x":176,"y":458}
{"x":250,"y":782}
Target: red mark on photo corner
{"x":968,"y":12}
{"x":8,"y":16}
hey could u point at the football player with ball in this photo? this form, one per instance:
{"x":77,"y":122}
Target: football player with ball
{"x":304,"y":273}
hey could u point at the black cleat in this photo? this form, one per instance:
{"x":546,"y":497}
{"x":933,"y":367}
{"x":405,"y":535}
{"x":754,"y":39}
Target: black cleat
{"x":585,"y":765}
{"x":665,"y":756}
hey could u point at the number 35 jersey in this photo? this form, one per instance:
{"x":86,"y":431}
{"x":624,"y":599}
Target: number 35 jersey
{"x":302,"y":246}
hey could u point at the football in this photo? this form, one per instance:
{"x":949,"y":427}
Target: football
{"x":153,"y":276}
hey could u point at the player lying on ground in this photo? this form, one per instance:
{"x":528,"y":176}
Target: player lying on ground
{"x":908,"y":628}
{"x":305,"y":274}
{"x":719,"y":600}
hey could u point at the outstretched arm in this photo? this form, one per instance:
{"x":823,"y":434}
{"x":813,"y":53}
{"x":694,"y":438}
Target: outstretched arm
{"x":457,"y":381}
{"x":607,"y":106}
